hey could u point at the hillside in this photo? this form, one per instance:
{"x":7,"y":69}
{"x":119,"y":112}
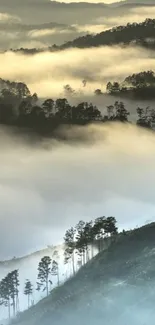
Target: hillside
{"x":117,"y":286}
{"x":27,"y":266}
{"x":141,"y":34}
{"x":138,"y":33}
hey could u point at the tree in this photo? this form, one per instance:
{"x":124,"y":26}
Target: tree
{"x":81,"y":241}
{"x":98,"y":92}
{"x":48,"y":107}
{"x":5,"y":295}
{"x":110,"y":226}
{"x":98,"y":230}
{"x":9,"y":291}
{"x":44,"y":270}
{"x":145,"y":117}
{"x":89,"y":238}
{"x":121,"y":112}
{"x":70,"y":244}
{"x":55,"y":270}
{"x":28,"y":290}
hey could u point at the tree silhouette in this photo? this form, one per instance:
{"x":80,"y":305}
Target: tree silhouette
{"x":70,"y":244}
{"x":28,"y":290}
{"x":55,"y":270}
{"x":44,"y":270}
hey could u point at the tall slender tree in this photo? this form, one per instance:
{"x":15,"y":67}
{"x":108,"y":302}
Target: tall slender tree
{"x":70,"y":245}
{"x":28,"y":290}
{"x":55,"y":271}
{"x":44,"y":271}
{"x":81,"y":241}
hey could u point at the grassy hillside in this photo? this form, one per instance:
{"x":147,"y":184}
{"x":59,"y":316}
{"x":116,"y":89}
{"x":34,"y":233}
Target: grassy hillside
{"x":117,"y":287}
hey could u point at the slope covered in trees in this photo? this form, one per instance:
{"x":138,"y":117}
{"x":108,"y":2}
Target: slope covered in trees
{"x":138,"y":33}
{"x":116,"y":286}
{"x":141,"y":34}
{"x":139,"y":85}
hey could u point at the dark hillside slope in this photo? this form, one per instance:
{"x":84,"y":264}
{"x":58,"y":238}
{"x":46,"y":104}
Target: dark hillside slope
{"x":117,"y":287}
{"x":139,"y":33}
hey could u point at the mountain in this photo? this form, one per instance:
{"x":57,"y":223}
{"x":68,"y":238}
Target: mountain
{"x":141,"y":34}
{"x":138,"y":33}
{"x":116,"y":286}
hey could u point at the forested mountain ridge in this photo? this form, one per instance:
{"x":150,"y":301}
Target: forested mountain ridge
{"x":141,"y":34}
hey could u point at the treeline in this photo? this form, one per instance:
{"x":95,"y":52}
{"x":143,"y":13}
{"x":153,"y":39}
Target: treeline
{"x":78,"y":240}
{"x":19,"y":108}
{"x":141,"y":34}
{"x":140,"y":85}
{"x":81,"y":238}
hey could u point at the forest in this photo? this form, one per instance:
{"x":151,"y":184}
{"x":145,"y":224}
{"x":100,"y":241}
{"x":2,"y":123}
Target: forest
{"x":20,"y":108}
{"x":78,"y":240}
{"x":140,"y":34}
{"x":140,"y":85}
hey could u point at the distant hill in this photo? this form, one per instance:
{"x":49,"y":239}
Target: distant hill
{"x":117,"y":287}
{"x":141,"y":34}
{"x":138,"y":33}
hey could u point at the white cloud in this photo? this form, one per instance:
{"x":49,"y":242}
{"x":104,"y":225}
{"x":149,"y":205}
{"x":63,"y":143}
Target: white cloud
{"x":47,"y":73}
{"x":45,"y":188}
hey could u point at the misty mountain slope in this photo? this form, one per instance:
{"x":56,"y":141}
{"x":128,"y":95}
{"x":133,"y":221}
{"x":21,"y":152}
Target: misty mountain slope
{"x":27,"y":266}
{"x":139,"y":33}
{"x":117,"y":286}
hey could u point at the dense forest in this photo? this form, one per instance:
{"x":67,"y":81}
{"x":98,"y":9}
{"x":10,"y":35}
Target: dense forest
{"x":138,"y":85}
{"x":78,"y":240}
{"x":141,"y":34}
{"x":18,"y":107}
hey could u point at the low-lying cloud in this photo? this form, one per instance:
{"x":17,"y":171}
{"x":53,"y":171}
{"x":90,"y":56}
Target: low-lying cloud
{"x":47,"y":187}
{"x":47,"y":73}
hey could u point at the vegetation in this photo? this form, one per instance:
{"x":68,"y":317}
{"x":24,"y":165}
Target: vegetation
{"x":9,"y":288}
{"x":20,"y":108}
{"x":122,"y":275}
{"x":28,"y":290}
{"x":77,"y":241}
{"x":141,"y":34}
{"x":81,"y":238}
{"x":140,"y":85}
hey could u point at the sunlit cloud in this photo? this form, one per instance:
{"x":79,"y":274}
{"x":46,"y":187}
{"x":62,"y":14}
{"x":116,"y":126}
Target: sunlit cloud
{"x":47,"y":73}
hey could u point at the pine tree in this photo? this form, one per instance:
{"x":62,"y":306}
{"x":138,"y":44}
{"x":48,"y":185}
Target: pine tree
{"x":110,"y":226}
{"x":28,"y":290}
{"x":13,"y":282}
{"x":5,"y":295}
{"x":55,"y":270}
{"x":70,"y":246}
{"x":81,"y":240}
{"x":9,"y":291}
{"x":44,"y":270}
{"x":98,"y":230}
